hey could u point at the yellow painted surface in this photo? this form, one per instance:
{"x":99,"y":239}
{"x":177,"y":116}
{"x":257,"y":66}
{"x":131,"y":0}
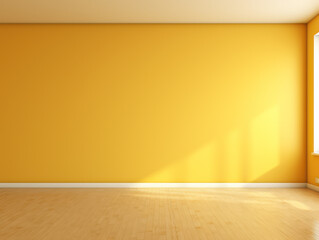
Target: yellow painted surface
{"x":312,"y":161}
{"x":153,"y":103}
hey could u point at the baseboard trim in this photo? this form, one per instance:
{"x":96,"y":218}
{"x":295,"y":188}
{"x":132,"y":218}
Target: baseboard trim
{"x":313,"y":187}
{"x":153,"y":185}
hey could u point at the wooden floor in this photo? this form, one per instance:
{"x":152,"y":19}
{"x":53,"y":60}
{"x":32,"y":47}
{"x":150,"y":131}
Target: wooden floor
{"x":75,"y":214}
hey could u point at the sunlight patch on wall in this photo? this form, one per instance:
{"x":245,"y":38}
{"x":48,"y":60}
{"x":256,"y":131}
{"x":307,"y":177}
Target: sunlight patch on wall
{"x":227,"y":158}
{"x":202,"y":164}
{"x":265,"y":143}
{"x":233,"y":156}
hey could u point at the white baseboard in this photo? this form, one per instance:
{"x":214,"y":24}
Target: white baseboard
{"x":153,"y":185}
{"x":313,"y":187}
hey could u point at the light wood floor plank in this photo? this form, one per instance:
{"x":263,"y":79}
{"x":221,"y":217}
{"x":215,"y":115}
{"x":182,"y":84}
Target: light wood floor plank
{"x":159,"y":213}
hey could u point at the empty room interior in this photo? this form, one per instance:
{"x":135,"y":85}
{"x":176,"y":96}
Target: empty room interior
{"x":133,"y":120}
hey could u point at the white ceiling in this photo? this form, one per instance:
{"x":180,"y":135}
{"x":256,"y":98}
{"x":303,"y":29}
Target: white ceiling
{"x":158,"y":11}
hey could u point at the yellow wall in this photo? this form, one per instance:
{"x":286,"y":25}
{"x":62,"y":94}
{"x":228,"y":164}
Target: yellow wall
{"x":153,"y":103}
{"x":312,"y":161}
